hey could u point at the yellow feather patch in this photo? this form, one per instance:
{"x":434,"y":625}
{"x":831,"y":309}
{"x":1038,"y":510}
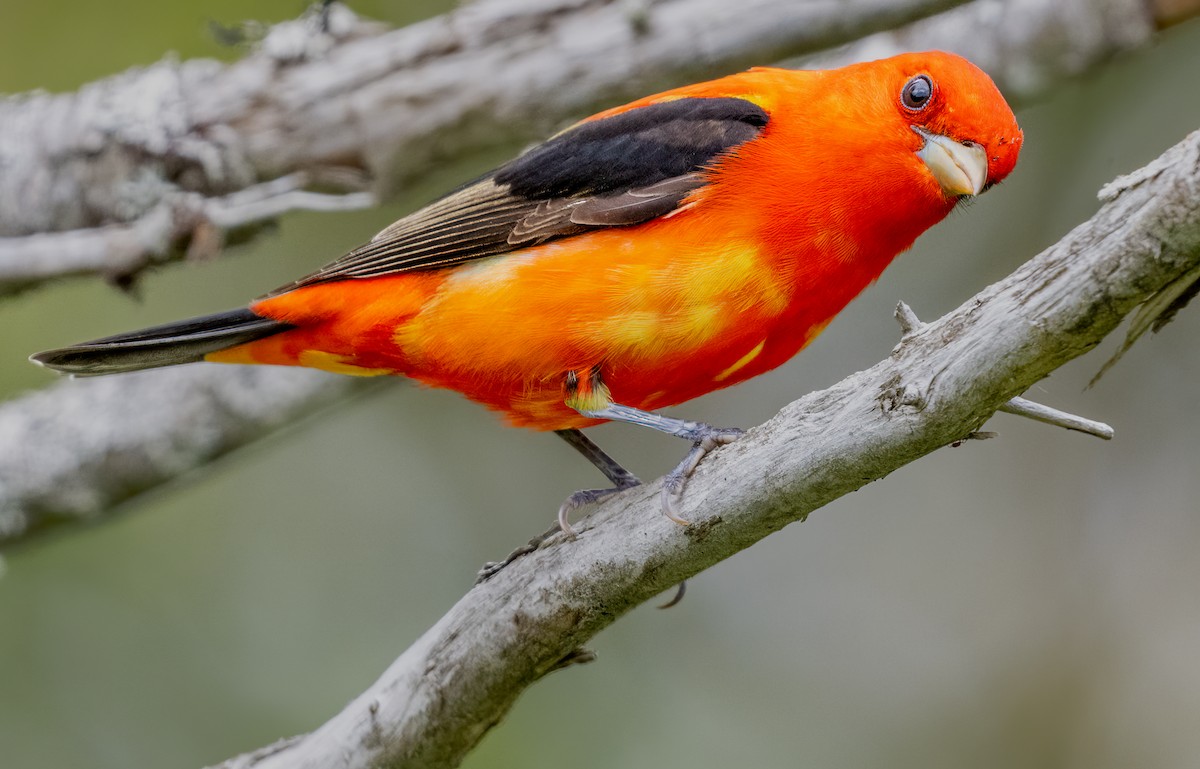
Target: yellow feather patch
{"x":327,"y":361}
{"x":632,"y":329}
{"x":740,"y":363}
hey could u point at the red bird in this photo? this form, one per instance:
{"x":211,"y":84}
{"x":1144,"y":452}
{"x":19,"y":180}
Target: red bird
{"x":644,"y":256}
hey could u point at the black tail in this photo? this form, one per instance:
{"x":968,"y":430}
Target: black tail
{"x":185,"y":341}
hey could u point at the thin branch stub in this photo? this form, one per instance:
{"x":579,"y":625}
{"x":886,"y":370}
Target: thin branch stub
{"x":909,"y":322}
{"x":1023,"y":407}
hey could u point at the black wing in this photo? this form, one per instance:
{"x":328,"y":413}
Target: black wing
{"x":620,"y":170}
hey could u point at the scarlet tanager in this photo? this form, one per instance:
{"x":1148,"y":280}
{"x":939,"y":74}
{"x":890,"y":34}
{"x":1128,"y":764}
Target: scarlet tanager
{"x":647,"y":255}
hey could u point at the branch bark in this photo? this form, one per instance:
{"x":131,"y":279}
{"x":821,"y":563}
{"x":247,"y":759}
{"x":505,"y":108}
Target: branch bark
{"x":278,"y":99}
{"x":1027,"y":46}
{"x":70,"y":451}
{"x":347,"y":95}
{"x":941,"y":383}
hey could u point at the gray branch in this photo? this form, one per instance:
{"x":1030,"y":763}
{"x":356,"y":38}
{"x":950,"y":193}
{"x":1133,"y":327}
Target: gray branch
{"x":121,"y":250}
{"x":941,"y":383}
{"x":71,"y":451}
{"x":1027,"y":46}
{"x":116,"y":176}
{"x":278,"y":88}
{"x":1023,"y":407}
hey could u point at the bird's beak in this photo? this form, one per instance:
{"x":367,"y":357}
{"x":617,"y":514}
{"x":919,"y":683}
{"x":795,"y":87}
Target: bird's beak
{"x":960,"y":168}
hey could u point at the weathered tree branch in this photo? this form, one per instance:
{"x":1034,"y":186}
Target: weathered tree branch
{"x":388,"y":74}
{"x":71,"y":450}
{"x":122,"y":250}
{"x":132,"y":149}
{"x":121,"y":180}
{"x":1027,"y":46}
{"x":941,"y":383}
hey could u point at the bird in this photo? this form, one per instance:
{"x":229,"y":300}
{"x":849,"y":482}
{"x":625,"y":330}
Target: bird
{"x":644,"y":256}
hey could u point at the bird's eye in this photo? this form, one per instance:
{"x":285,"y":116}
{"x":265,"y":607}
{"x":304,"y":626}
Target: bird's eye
{"x":916,"y":93}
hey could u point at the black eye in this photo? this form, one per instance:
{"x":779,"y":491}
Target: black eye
{"x":916,"y":93}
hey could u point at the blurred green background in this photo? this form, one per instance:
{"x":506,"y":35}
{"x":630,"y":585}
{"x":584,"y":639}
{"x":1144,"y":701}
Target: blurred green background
{"x":1028,"y":601}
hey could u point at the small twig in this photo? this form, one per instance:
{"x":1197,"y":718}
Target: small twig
{"x":121,"y":249}
{"x":275,"y":198}
{"x":577,"y":656}
{"x":1026,"y":408}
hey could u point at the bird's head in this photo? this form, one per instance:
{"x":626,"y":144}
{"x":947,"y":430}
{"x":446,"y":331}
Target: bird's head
{"x":963,"y":130}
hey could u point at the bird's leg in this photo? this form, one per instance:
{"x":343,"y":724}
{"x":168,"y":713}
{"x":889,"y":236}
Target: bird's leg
{"x":587,"y":394}
{"x":704,"y":438}
{"x":620,"y":478}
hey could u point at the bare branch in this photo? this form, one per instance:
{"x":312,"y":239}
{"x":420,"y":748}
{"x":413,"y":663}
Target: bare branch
{"x":1027,"y":46}
{"x":119,"y":250}
{"x":73,"y":450}
{"x":438,"y":699}
{"x":150,"y":148}
{"x":144,"y":149}
{"x":375,"y":71}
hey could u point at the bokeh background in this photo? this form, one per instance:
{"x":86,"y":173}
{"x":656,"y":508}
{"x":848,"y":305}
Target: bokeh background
{"x":1028,"y":601}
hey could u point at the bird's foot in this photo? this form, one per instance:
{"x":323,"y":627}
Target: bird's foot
{"x":562,"y":526}
{"x":704,"y":439}
{"x":492,"y":568}
{"x":586,"y":497}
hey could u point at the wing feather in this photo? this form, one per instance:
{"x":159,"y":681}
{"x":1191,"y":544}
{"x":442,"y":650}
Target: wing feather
{"x":616,"y":171}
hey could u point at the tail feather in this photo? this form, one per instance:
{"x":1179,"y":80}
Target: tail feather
{"x":185,"y":341}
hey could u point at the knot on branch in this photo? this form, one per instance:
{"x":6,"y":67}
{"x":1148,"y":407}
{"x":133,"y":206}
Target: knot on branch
{"x":894,"y":395}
